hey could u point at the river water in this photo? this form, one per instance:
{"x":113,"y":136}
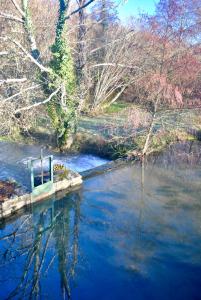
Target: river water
{"x":132,"y":233}
{"x":14,"y":159}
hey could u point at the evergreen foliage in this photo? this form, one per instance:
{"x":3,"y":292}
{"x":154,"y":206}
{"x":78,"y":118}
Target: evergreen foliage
{"x":62,"y":110}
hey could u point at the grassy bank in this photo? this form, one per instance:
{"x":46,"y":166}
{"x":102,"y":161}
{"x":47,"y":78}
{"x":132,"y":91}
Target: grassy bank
{"x":121,"y":130}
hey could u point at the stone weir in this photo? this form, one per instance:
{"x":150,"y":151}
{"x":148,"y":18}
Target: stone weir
{"x":59,"y":181}
{"x":44,"y":184}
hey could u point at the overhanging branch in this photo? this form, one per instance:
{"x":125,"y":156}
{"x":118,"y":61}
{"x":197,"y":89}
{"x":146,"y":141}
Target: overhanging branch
{"x":21,"y":92}
{"x":39,"y":103}
{"x":113,"y":65}
{"x":79,"y":9}
{"x":18,"y":8}
{"x":30,"y":56}
{"x":13,"y":80}
{"x":11,"y":17}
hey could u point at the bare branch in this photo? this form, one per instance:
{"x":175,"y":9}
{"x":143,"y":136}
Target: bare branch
{"x":127,"y":34}
{"x":39,"y":103}
{"x":18,"y":8}
{"x":21,"y":92}
{"x":13,"y":80}
{"x":30,"y":56}
{"x":27,"y":54}
{"x":4,"y":53}
{"x":11,"y":17}
{"x":79,"y":9}
{"x":114,"y":65}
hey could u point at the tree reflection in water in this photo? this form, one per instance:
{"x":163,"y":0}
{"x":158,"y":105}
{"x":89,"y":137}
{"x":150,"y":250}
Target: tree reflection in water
{"x":139,"y":236}
{"x":37,"y":242}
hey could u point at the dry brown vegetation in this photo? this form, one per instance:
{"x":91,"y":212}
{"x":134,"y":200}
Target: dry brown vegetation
{"x":7,"y":189}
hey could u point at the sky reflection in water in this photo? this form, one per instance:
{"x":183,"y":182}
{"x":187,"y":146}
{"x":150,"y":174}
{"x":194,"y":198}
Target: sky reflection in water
{"x":125,"y":235}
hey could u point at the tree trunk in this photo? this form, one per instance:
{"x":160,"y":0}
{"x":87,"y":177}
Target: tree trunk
{"x":29,"y":29}
{"x":146,"y":145}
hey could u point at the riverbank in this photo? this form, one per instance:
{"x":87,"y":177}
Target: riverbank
{"x":121,"y":130}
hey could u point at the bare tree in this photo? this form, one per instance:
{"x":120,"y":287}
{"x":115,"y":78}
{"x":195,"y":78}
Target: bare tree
{"x":57,"y":78}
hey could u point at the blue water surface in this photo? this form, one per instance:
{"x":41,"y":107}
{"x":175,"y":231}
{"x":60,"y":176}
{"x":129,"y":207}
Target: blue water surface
{"x":129,"y":234}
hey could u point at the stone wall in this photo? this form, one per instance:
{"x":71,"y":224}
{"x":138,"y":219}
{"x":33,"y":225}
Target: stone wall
{"x":12,"y":205}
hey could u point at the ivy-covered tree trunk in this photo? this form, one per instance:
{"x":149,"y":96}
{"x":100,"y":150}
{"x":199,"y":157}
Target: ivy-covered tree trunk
{"x":62,"y":110}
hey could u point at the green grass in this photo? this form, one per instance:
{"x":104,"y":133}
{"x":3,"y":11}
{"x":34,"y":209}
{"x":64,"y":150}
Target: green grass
{"x":96,"y":132}
{"x":4,"y":139}
{"x":116,"y":107}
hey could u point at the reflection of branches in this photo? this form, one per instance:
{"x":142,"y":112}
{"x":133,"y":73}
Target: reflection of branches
{"x":181,"y":153}
{"x":14,"y":233}
{"x":30,"y":241}
{"x":11,"y":238}
{"x":62,"y":237}
{"x":30,"y":257}
{"x":142,"y":192}
{"x":49,"y":265}
{"x":34,"y":255}
{"x":39,"y":264}
{"x":76,"y":236}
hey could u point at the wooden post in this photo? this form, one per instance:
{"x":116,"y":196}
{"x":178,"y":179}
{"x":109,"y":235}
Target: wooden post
{"x":51,"y":168}
{"x":32,"y":174}
{"x":41,"y":158}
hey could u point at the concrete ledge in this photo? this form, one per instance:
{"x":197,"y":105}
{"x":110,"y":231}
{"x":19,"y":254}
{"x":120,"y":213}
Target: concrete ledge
{"x":10,"y":206}
{"x":112,"y":165}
